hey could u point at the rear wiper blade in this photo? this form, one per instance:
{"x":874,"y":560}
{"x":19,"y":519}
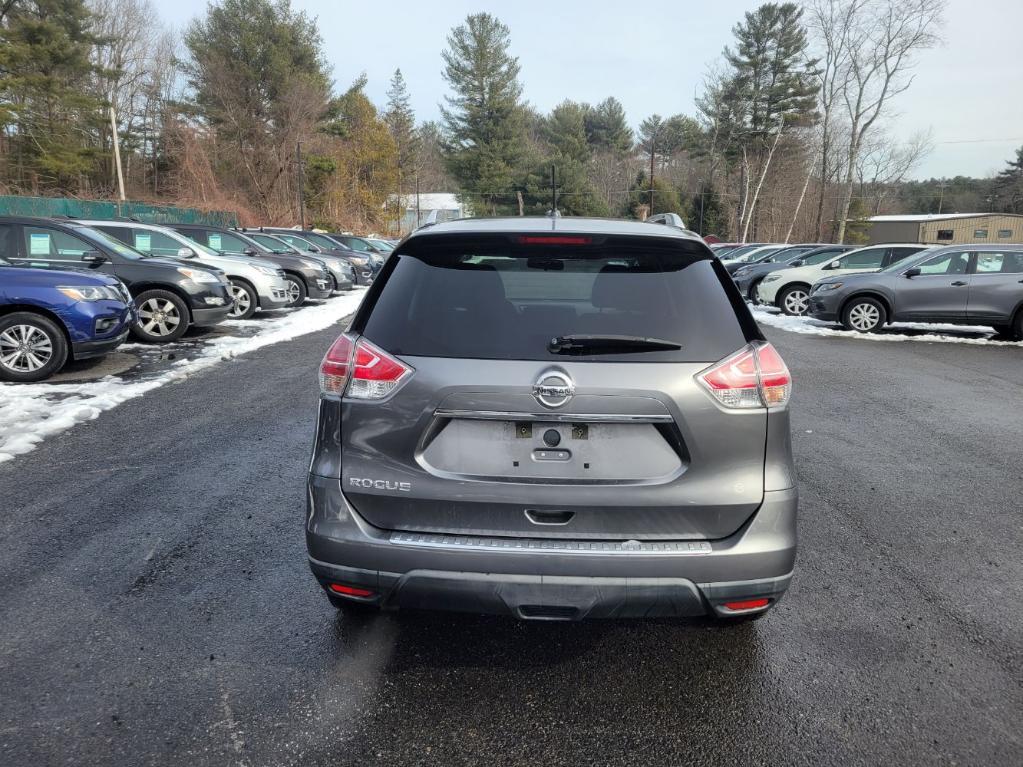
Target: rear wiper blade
{"x":600,"y":344}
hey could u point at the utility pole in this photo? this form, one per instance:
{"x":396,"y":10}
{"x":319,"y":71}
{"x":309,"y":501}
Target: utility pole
{"x":117,"y":152}
{"x":418,"y":223}
{"x":554,"y":193}
{"x":702,"y":191}
{"x":301,"y":184}
{"x":941,"y":195}
{"x":653,"y":145}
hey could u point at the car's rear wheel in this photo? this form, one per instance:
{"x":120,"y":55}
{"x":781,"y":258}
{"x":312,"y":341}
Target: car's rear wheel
{"x":296,"y":291}
{"x":752,"y":291}
{"x":864,"y":315}
{"x":32,"y":347}
{"x":245,"y":298}
{"x":163,"y":317}
{"x":1017,"y":327}
{"x":794,"y":300}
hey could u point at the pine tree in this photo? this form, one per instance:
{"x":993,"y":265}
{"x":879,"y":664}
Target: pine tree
{"x":483,"y":121}
{"x":1008,"y":185}
{"x":45,"y":104}
{"x":401,"y":122}
{"x":606,"y":127}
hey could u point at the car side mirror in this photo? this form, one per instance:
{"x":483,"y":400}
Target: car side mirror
{"x":797,"y":263}
{"x":314,"y":249}
{"x":912,"y":272}
{"x":185,"y":253}
{"x":249,"y":252}
{"x":94,"y":257}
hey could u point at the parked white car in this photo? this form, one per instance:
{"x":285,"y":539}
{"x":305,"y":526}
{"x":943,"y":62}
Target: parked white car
{"x":789,"y":289}
{"x":255,"y":283}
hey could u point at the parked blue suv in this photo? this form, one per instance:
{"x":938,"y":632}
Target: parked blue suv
{"x":48,"y":317}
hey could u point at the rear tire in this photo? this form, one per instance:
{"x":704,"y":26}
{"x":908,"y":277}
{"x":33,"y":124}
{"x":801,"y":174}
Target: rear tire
{"x":752,"y":291}
{"x":794,"y":300}
{"x":246,"y":300}
{"x":163,"y":317}
{"x":32,"y":347}
{"x":1016,"y":332}
{"x":864,"y":315}
{"x":297,"y":292}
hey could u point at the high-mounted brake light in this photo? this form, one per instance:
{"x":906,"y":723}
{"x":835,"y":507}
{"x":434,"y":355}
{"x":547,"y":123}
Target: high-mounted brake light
{"x":547,"y":240}
{"x":360,"y":370}
{"x":755,"y":376}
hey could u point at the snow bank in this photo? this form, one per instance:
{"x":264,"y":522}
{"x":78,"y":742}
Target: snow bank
{"x":934,"y":333}
{"x":29,"y":413}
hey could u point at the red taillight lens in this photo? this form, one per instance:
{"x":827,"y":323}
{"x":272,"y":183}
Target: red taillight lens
{"x":350,"y":591}
{"x":747,"y":604}
{"x":336,"y":366}
{"x":360,"y":370}
{"x":754,"y":376}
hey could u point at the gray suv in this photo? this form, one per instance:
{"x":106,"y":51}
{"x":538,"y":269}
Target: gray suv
{"x":553,"y":418}
{"x":961,"y":284}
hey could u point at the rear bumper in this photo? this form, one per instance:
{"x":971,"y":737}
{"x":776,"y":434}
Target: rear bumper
{"x":534,"y":579}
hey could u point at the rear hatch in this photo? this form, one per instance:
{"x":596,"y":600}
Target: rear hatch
{"x":551,"y":392}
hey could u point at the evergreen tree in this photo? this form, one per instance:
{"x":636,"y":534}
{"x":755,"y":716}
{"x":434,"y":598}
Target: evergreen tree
{"x":46,"y":108}
{"x":259,"y":79}
{"x":483,"y":120}
{"x":401,"y":122}
{"x":606,"y":127}
{"x":1008,"y":186}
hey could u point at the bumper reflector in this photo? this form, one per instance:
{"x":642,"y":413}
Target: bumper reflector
{"x":747,"y":604}
{"x":350,"y":591}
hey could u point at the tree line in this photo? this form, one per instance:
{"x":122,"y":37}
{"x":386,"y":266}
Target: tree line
{"x":791,"y":136}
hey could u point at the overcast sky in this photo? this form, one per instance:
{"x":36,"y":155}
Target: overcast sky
{"x":652,"y":56}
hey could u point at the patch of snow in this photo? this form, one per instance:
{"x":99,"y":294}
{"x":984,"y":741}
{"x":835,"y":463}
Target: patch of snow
{"x":29,"y":413}
{"x":932,"y":333}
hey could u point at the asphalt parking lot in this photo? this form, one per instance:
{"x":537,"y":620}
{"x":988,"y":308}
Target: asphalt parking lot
{"x":157,"y":608}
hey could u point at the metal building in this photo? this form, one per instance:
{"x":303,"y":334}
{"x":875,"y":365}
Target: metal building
{"x":947,"y":228}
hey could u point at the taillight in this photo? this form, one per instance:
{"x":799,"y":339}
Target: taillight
{"x":754,"y":376}
{"x":359,"y":370}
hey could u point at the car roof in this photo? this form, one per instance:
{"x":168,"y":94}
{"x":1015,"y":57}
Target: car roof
{"x":559,"y":224}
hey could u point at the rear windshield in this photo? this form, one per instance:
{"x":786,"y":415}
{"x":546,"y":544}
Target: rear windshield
{"x":495,"y":298}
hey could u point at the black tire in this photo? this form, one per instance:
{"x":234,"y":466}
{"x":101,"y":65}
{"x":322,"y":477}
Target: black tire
{"x":794,"y":300}
{"x":246,"y":299}
{"x":32,"y":347}
{"x":1003,"y":330}
{"x":297,"y":292}
{"x":160,"y":301}
{"x":864,"y":315}
{"x":752,"y":291}
{"x":353,"y":607}
{"x":1016,"y":332}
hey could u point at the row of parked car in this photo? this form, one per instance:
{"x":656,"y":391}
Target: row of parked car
{"x":868,"y":287}
{"x":72,"y":289}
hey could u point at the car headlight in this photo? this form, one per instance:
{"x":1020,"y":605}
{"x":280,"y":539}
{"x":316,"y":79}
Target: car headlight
{"x":829,"y":286}
{"x":272,"y":271}
{"x":772,"y":278}
{"x":91,"y":292}
{"x":198,"y":275}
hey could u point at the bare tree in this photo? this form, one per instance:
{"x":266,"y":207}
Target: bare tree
{"x":883,"y":164}
{"x":882,"y":38}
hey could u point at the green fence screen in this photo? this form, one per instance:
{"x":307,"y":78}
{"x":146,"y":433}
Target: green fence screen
{"x":107,"y":209}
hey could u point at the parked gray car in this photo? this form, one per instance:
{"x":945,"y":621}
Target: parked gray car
{"x":961,"y":284}
{"x":556,"y":419}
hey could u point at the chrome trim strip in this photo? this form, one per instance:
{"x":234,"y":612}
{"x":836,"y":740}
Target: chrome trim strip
{"x":549,"y":545}
{"x":506,"y":415}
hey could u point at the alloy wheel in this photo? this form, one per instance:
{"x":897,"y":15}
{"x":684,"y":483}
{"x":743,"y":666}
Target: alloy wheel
{"x":797,"y":302}
{"x":159,"y":317}
{"x":25,"y":348}
{"x":294,"y":292}
{"x":864,"y":317}
{"x":242,"y":301}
